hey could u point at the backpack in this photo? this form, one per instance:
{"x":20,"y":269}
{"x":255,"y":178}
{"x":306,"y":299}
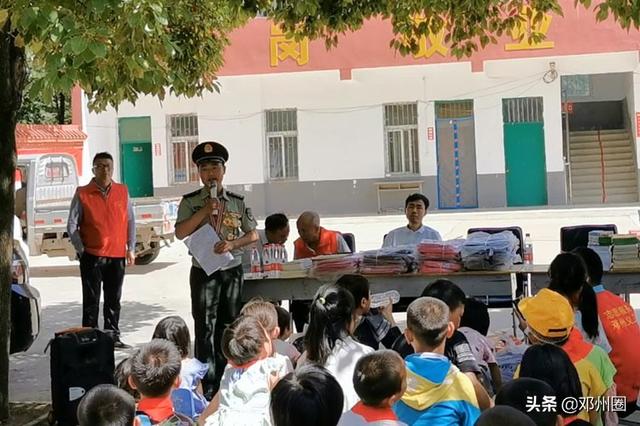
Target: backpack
{"x":175,"y":420}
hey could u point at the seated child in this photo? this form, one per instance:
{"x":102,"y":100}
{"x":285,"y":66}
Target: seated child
{"x":243,"y":398}
{"x":522,"y":393}
{"x":372,"y":327}
{"x":329,"y":340}
{"x":121,"y":377}
{"x":280,"y":344}
{"x":457,"y":348}
{"x":310,"y":396}
{"x":475,"y":326}
{"x":266,"y":313}
{"x":380,"y":379}
{"x":504,"y":415}
{"x":106,"y":405}
{"x":553,"y":366}
{"x":175,"y":330}
{"x":437,"y":392}
{"x":155,"y":372}
{"x":549,"y":318}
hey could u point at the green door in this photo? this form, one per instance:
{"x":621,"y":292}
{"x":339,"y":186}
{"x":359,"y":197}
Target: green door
{"x":135,"y":155}
{"x":525,"y":166}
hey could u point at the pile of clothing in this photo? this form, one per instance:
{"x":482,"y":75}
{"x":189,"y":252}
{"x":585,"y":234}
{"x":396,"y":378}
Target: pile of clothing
{"x":600,"y":242}
{"x":388,"y":260}
{"x":439,"y":256}
{"x":335,"y":264}
{"x":625,"y":252}
{"x":490,"y":252}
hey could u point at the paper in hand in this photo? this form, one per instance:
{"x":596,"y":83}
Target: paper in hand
{"x":201,"y":243}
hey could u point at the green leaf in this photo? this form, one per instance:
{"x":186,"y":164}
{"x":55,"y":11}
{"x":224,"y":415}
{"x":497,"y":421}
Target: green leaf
{"x":78,"y":45}
{"x":98,"y":49}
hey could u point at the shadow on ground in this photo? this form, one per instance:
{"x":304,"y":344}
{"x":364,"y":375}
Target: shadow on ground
{"x":74,"y":270}
{"x":29,"y":377}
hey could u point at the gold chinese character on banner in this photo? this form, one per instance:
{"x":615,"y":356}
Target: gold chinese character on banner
{"x":520,"y":33}
{"x":283,"y":48}
{"x":431,"y":44}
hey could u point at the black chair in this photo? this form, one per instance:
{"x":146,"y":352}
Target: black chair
{"x":350,"y":239}
{"x":498,"y":301}
{"x":578,"y":236}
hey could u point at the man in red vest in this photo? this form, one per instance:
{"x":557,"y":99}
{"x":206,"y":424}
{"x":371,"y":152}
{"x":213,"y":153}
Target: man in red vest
{"x":314,"y":241}
{"x":102,"y":229}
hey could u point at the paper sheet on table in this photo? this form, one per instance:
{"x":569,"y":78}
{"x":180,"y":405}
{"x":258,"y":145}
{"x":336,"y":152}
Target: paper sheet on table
{"x":201,"y":243}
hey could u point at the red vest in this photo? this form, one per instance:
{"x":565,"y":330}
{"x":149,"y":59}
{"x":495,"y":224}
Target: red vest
{"x":103,"y":227}
{"x":621,"y":327}
{"x":328,"y":244}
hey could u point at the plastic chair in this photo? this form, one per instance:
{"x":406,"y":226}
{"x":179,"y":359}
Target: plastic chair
{"x":350,"y":239}
{"x":578,"y":236}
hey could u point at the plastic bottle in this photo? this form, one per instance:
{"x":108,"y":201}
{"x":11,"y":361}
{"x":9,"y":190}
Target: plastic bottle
{"x":267,"y":256}
{"x":381,"y":299}
{"x":256,"y":264}
{"x":280,"y":256}
{"x":527,"y":256}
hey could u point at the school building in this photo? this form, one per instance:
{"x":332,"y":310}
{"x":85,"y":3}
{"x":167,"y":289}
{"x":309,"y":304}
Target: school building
{"x":355,"y":129}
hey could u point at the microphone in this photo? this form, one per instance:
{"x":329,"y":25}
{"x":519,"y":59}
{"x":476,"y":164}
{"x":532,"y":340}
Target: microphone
{"x":213,"y":194}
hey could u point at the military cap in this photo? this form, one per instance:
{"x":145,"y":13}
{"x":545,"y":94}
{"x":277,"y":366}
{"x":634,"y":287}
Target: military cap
{"x":210,"y":151}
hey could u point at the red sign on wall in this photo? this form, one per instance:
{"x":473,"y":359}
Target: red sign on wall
{"x":638,"y":124}
{"x":430,"y":133}
{"x":157,"y":148}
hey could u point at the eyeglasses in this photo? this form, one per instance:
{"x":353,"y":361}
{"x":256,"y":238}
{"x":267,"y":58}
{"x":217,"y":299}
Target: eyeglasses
{"x":102,"y":167}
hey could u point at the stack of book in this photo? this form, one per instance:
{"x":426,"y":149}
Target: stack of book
{"x":295,"y":269}
{"x":625,"y":252}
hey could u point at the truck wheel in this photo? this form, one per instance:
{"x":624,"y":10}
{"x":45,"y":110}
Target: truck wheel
{"x":149,"y":257}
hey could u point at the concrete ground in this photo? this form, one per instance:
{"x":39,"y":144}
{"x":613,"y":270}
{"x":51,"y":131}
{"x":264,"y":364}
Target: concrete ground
{"x":154,"y":291}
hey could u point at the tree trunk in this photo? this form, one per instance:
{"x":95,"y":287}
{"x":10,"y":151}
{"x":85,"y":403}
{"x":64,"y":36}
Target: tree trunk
{"x":60,"y":106}
{"x":12,"y":80}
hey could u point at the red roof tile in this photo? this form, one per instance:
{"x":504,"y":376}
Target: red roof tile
{"x":49,"y":132}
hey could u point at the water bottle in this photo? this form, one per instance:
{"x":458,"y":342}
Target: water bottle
{"x":256,"y":265}
{"x":528,"y":250}
{"x":269,"y":260}
{"x":280,"y":257}
{"x":378,"y":300}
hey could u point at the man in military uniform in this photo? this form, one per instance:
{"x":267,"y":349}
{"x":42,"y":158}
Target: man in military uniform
{"x":215,"y":298}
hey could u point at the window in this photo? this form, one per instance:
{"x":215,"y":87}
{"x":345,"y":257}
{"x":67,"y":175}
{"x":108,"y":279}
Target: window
{"x":401,"y":138}
{"x":183,"y":138}
{"x":575,"y":86}
{"x":282,"y":144}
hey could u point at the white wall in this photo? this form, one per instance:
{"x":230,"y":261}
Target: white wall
{"x":340,"y":121}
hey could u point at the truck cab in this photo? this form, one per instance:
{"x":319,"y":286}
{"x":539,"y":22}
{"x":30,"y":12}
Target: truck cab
{"x":45,"y":187}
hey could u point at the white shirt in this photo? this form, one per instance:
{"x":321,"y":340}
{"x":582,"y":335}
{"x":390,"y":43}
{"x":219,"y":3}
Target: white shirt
{"x":286,"y":349}
{"x":341,"y":364}
{"x":405,"y":236}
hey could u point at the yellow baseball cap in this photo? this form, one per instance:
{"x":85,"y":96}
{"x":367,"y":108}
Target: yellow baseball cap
{"x":548,"y":314}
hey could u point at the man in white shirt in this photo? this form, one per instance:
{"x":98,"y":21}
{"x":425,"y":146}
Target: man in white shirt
{"x":415,"y":208}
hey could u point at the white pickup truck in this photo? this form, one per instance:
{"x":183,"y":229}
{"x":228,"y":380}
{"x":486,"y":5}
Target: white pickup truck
{"x":48,"y":184}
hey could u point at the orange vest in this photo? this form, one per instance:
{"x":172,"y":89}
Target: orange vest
{"x":621,"y":327}
{"x":103,"y":227}
{"x":328,"y":244}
